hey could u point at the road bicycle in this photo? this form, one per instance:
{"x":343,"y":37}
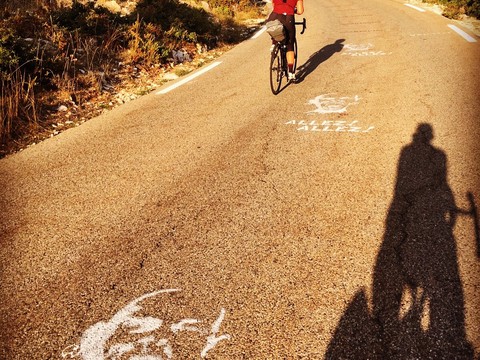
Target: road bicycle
{"x":278,"y":61}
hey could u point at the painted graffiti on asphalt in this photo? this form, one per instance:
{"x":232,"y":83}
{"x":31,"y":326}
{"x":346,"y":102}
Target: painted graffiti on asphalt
{"x":330,"y":126}
{"x":131,"y":335}
{"x":329,"y":104}
{"x":362,"y":50}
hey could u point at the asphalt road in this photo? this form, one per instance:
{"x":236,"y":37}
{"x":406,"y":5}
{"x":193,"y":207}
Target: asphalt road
{"x":219,"y":221}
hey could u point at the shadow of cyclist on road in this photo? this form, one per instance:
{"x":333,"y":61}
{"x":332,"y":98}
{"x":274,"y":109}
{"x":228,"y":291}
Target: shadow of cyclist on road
{"x":317,"y":58}
{"x":418,"y":302}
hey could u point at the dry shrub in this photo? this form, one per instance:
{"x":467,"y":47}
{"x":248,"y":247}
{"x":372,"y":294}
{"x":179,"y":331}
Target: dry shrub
{"x":18,"y":108}
{"x":143,"y":45}
{"x":453,"y":11}
{"x":51,"y":50}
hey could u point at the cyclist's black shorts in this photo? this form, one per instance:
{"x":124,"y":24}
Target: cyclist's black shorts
{"x":289,"y":22}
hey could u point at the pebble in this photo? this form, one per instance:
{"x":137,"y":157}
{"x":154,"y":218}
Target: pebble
{"x":170,"y":76}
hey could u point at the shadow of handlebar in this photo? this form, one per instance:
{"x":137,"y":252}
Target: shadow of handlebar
{"x":474,"y":213}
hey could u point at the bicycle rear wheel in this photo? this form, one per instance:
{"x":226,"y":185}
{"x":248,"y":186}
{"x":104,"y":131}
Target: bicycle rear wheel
{"x":276,"y":71}
{"x":295,"y":49}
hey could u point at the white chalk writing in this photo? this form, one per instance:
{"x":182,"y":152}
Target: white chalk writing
{"x":99,"y":343}
{"x":337,"y":126}
{"x":362,"y":50}
{"x":329,"y":104}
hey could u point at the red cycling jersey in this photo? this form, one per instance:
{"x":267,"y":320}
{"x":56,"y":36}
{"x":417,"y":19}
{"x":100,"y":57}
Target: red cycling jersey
{"x":284,"y":6}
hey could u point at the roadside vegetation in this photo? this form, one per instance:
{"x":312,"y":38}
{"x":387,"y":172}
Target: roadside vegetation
{"x":64,"y":61}
{"x":455,"y":9}
{"x":68,"y":58}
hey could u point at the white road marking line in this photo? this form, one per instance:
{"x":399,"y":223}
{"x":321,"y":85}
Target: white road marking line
{"x":259,"y":32}
{"x":189,"y":78}
{"x":462,"y":33}
{"x":415,"y":7}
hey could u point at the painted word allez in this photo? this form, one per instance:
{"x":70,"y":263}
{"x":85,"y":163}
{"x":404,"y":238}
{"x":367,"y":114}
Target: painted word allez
{"x":329,"y":126}
{"x":362,"y":50}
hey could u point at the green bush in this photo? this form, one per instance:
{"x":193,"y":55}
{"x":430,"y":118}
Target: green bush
{"x":8,"y":58}
{"x":17,"y":46}
{"x":87,"y":19}
{"x":232,"y":5}
{"x":173,"y":14}
{"x":224,"y":11}
{"x":473,"y":8}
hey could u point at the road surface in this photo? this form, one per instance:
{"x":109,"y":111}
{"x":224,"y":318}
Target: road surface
{"x":215,"y":220}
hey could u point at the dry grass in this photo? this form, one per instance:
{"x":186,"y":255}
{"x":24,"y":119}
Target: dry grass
{"x":18,"y":109}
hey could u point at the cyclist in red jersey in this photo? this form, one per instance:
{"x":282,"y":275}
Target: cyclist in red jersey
{"x":284,"y":11}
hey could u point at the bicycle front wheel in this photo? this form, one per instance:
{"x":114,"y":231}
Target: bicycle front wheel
{"x":276,"y":71}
